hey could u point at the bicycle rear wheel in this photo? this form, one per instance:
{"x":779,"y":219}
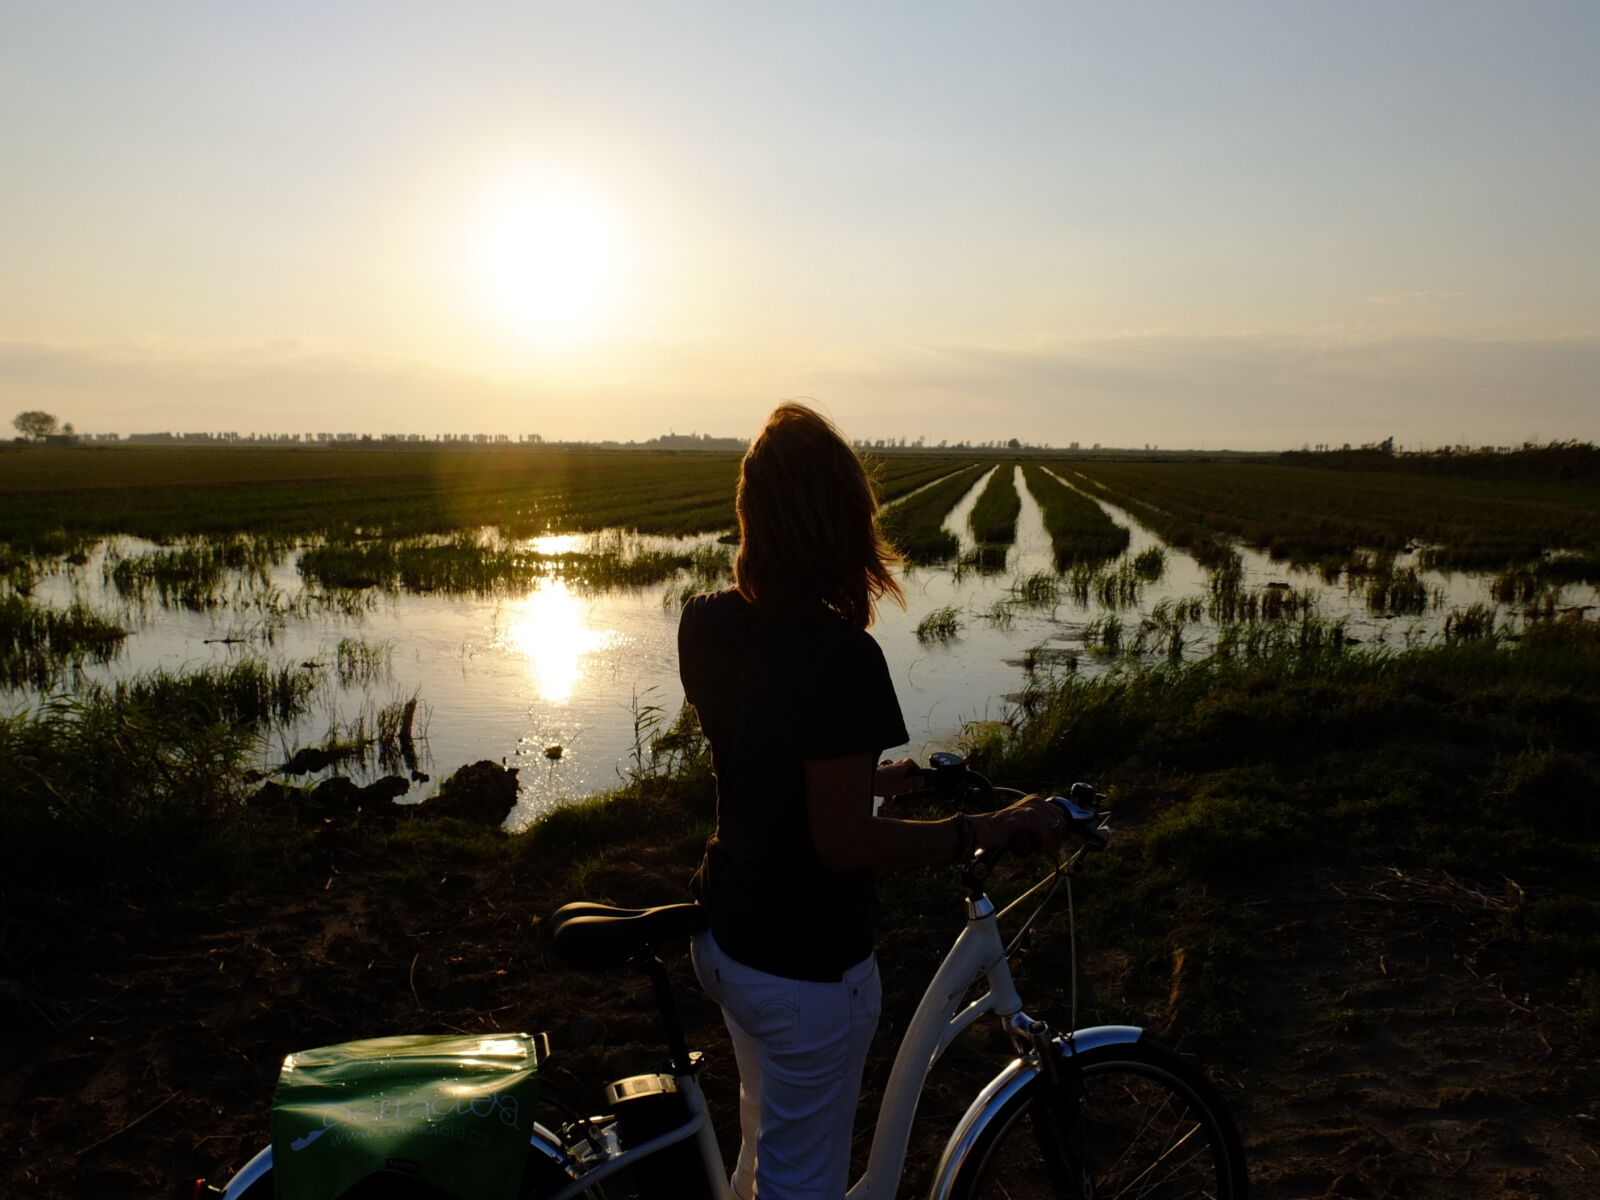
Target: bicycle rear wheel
{"x":1153,"y":1127}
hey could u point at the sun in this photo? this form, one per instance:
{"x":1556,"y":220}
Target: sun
{"x":550,"y":256}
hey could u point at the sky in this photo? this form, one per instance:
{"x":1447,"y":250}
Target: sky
{"x":1210,"y":224}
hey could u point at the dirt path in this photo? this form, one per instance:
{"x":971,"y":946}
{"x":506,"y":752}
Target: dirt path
{"x":1393,"y":1060}
{"x":1385,"y":1056}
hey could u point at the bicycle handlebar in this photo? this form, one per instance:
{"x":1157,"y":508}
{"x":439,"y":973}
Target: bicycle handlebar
{"x":948,"y":775}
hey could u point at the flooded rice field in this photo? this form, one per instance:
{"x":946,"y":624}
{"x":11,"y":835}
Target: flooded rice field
{"x":568,"y":675}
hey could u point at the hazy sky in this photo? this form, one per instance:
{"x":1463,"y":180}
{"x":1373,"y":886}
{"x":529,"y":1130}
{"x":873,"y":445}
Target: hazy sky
{"x":1188,"y":223}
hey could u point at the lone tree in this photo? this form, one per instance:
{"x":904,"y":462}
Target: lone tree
{"x":35,"y":424}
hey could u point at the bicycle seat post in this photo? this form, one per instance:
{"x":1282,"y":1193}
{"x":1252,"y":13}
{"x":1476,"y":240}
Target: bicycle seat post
{"x":671,"y":1022}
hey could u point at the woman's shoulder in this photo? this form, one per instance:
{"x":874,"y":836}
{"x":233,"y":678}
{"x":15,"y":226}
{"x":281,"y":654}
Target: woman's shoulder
{"x":726,"y":600}
{"x":713,"y":608}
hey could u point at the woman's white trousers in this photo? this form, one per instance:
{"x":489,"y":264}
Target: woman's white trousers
{"x":800,"y":1048}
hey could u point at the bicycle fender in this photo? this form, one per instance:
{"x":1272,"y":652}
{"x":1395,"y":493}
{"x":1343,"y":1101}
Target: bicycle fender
{"x":248,"y":1174}
{"x":1018,"y":1073}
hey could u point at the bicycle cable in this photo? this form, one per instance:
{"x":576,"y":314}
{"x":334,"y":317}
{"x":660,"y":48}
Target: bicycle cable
{"x":1072,"y":951}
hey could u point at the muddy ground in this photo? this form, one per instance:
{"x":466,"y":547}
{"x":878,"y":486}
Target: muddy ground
{"x":1379,"y":1048}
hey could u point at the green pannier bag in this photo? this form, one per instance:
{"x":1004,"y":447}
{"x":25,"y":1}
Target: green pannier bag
{"x":450,"y":1114}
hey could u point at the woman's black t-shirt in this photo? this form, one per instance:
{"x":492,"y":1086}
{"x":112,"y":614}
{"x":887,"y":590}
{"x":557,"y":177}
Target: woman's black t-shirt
{"x":775,"y":690}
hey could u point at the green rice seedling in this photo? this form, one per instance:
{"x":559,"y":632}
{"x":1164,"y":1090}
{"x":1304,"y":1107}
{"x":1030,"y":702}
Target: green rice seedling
{"x":1188,"y":609}
{"x":1397,"y":593}
{"x":1080,"y":531}
{"x":604,"y":572}
{"x":940,"y":625}
{"x":994,"y":516}
{"x":1170,"y":613}
{"x":1545,"y":607}
{"x":1080,"y":581}
{"x":192,"y":576}
{"x":1469,"y":624}
{"x":38,"y":643}
{"x":1118,"y":588}
{"x":467,"y":564}
{"x":1103,"y":635}
{"x":19,"y":575}
{"x":360,"y":663}
{"x":349,"y":603}
{"x":1150,"y":564}
{"x":1358,"y":563}
{"x":1231,"y":602}
{"x":1044,"y":660}
{"x":1214,"y":554}
{"x":1039,"y":590}
{"x":1315,"y":634}
{"x":1279,"y":602}
{"x":1001,"y":614}
{"x":1516,"y":586}
{"x":396,"y":733}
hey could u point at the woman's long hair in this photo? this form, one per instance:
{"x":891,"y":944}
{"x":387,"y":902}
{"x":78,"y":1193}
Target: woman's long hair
{"x":808,"y":530}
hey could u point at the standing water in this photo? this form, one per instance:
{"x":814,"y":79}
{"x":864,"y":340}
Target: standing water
{"x":569,"y":683}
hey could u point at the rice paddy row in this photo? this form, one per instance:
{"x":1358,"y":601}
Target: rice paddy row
{"x":1311,"y":515}
{"x":915,"y":524}
{"x":994,"y":517}
{"x":1080,"y":532}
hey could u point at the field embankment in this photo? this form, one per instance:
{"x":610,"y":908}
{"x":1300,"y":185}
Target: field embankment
{"x":1361,"y":884}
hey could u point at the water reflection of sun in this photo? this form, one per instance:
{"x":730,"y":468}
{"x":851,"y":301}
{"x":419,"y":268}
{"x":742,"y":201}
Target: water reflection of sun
{"x":551,"y":628}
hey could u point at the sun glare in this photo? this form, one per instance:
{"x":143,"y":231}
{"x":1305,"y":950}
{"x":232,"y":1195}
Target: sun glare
{"x":552,"y":630}
{"x":550,"y":256}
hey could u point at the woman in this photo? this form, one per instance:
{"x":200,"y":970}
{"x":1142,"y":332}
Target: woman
{"x":795,"y":698}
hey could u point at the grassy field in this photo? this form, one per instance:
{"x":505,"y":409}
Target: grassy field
{"x":1269,"y":808}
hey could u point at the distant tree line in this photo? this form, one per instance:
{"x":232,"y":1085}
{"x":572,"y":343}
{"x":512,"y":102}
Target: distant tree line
{"x":1554,"y":462}
{"x":38,"y":424}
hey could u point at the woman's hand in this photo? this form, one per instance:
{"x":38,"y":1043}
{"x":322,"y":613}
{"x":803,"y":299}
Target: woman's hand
{"x":1033,"y":814}
{"x":893,"y":778}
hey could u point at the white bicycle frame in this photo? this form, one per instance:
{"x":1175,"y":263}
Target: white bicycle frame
{"x":978,"y":952}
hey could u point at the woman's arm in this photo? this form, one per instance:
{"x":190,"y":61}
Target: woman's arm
{"x":847,"y":837}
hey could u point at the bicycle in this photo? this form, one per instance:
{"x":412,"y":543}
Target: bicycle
{"x":1087,"y":1114}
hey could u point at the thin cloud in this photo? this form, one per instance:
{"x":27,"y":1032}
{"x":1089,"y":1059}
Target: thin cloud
{"x":1254,"y":390}
{"x":1410,"y":297}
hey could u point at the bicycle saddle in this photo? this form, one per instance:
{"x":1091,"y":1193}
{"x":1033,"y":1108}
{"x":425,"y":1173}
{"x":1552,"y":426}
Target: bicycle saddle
{"x":590,"y":937}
